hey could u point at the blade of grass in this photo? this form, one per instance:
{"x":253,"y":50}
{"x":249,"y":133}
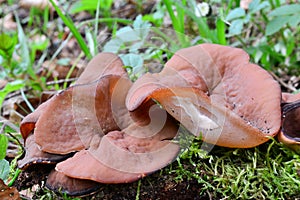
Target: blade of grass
{"x":26,"y":100}
{"x":180,"y":16}
{"x":46,"y":18}
{"x":174,"y":20}
{"x":203,"y":27}
{"x":26,"y":63}
{"x":177,"y":21}
{"x":71,"y":70}
{"x":104,"y":20}
{"x":221,"y":31}
{"x":96,"y":27}
{"x":69,"y":23}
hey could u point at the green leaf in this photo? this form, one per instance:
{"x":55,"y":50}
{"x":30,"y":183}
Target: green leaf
{"x":256,"y":6}
{"x":7,"y":45}
{"x":236,"y":27}
{"x":10,"y":87}
{"x":290,"y":46}
{"x":127,"y":34}
{"x":136,"y":46}
{"x":276,"y":24}
{"x":3,"y":146}
{"x":83,"y":5}
{"x":294,"y":20}
{"x":133,"y":60}
{"x":113,"y":45}
{"x":4,"y":169}
{"x":90,"y":5}
{"x":285,"y":10}
{"x":141,"y":27}
{"x":236,"y":13}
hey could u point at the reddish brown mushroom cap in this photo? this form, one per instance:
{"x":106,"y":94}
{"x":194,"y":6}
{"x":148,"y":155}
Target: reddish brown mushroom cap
{"x":77,"y":116}
{"x":217,"y":92}
{"x":28,"y":123}
{"x":101,"y":65}
{"x":35,"y":156}
{"x":127,"y":155}
{"x":290,"y":131}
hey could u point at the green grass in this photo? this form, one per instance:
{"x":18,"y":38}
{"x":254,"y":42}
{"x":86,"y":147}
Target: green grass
{"x":269,"y":171}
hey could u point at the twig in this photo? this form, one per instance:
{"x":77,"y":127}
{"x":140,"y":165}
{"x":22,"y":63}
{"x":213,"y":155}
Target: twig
{"x":293,"y":89}
{"x":60,"y":81}
{"x":17,"y":140}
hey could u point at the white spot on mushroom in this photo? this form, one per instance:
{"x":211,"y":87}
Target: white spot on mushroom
{"x":203,"y":121}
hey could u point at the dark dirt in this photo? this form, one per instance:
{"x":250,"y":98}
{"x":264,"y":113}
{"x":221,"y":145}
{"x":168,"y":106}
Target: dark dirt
{"x":153,"y":187}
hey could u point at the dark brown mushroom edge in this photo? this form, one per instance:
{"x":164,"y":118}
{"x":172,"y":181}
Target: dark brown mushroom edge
{"x":215,"y":92}
{"x":290,"y":131}
{"x":89,"y":137}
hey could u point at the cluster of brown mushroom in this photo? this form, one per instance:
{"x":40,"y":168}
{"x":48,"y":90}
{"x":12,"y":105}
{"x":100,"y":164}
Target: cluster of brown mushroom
{"x":106,"y":129}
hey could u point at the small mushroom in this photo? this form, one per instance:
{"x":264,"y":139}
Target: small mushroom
{"x":290,"y":131}
{"x":214,"y":91}
{"x":59,"y":182}
{"x":90,"y":124}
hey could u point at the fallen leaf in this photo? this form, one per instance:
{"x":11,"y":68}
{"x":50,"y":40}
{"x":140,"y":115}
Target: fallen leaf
{"x":8,"y":22}
{"x":40,"y":4}
{"x":8,"y":193}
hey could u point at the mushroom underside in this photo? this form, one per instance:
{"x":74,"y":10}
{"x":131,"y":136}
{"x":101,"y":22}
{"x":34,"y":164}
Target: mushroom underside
{"x":290,"y":131}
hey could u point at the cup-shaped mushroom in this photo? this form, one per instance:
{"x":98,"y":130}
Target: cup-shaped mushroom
{"x":90,"y":120}
{"x":290,"y":131}
{"x":214,"y":91}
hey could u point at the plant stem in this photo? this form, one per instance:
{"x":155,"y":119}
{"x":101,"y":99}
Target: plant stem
{"x":137,"y":197}
{"x":11,"y":182}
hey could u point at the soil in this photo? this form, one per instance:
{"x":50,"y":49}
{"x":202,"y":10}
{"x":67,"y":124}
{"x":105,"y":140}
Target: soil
{"x":153,"y":187}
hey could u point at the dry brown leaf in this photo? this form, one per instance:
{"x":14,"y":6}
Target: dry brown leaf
{"x":2,"y":83}
{"x":8,"y":193}
{"x":40,"y":4}
{"x":8,"y":22}
{"x":53,"y":71}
